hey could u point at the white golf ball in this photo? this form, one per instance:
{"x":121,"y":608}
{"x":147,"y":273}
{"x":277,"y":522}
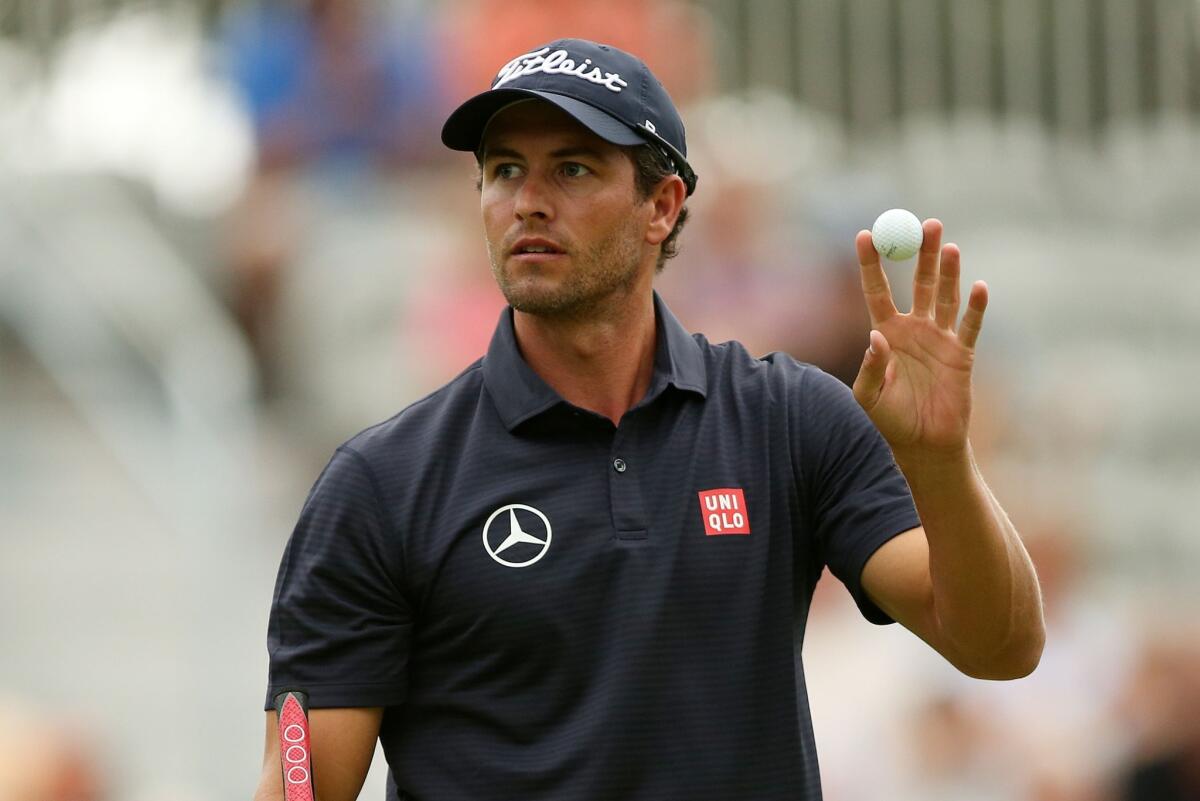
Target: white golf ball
{"x":897,"y":234}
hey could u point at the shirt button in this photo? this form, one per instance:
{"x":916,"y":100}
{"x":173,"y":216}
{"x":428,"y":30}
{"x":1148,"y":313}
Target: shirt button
{"x":619,"y":465}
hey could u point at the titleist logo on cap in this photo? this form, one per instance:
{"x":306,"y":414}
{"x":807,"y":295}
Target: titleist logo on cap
{"x":557,"y":63}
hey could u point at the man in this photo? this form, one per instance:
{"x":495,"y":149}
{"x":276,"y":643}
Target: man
{"x":581,"y":570}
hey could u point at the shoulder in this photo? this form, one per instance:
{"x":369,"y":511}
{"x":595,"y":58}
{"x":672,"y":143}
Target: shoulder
{"x":732,"y":367}
{"x":809,"y":405}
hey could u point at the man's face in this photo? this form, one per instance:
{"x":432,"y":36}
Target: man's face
{"x":565,"y":227}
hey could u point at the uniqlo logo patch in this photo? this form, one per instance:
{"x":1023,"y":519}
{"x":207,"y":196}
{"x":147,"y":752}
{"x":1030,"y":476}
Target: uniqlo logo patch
{"x":724,"y":512}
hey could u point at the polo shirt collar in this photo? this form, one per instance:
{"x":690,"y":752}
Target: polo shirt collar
{"x":520,"y":394}
{"x":677,"y":357}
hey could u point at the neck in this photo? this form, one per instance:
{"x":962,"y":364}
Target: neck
{"x":602,"y":362}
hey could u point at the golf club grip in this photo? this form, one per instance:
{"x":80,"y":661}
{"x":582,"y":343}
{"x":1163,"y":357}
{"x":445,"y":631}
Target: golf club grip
{"x":295,"y":746}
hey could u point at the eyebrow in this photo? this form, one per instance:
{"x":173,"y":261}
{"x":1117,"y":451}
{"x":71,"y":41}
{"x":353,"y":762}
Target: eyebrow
{"x":562,"y":152}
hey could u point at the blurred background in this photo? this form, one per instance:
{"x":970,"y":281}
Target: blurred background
{"x":230,"y":239}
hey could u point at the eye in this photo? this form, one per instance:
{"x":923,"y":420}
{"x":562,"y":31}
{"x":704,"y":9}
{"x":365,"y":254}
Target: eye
{"x":573,"y":169}
{"x":506,"y":170}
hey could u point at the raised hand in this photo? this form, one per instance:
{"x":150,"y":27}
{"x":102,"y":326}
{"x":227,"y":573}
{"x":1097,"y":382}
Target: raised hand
{"x":915,"y":380}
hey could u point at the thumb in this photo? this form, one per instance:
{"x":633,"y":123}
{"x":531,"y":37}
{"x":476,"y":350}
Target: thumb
{"x":869,"y":384}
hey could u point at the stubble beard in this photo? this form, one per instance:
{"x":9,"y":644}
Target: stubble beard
{"x":606,"y":270}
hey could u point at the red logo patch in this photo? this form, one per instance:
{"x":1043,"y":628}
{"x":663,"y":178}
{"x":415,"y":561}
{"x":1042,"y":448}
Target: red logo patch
{"x":724,"y":512}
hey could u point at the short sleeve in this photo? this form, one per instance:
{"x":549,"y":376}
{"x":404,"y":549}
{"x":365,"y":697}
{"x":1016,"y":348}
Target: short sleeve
{"x":858,"y":499}
{"x":340,"y":626}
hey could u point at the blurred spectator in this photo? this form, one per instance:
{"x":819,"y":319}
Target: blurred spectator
{"x":1160,"y":708}
{"x":954,"y":754}
{"x":42,"y":760}
{"x":332,"y":83}
{"x":674,"y":38}
{"x":834,"y":335}
{"x":337,"y":92}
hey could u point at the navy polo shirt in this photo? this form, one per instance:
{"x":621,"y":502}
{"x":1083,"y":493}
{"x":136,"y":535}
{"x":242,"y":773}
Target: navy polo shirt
{"x":553,"y":607}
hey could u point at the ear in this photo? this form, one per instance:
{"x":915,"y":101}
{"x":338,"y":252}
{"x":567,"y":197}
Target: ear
{"x":668,"y":199}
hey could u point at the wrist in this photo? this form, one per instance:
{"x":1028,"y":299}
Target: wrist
{"x":936,"y":469}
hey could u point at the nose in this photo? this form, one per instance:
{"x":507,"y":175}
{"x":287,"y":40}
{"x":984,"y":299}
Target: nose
{"x":533,"y":199}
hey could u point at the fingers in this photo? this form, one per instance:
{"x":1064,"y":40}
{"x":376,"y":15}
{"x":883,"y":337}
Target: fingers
{"x":876,"y":290}
{"x":925,"y":278}
{"x":869,"y":384}
{"x":946,"y":313}
{"x":972,"y":321}
{"x":935,"y":284}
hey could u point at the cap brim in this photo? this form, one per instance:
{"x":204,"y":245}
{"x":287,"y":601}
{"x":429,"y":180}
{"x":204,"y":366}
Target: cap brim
{"x":465,"y":126}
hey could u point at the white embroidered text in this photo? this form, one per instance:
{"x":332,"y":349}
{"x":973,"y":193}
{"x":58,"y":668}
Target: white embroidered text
{"x":557,"y":63}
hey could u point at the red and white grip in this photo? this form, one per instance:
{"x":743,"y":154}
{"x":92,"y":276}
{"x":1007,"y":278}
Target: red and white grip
{"x":295,"y":746}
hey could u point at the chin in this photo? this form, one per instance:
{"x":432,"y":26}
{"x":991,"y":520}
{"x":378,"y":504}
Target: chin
{"x":529,"y":291}
{"x":543,"y":298}
{"x":544,"y":303}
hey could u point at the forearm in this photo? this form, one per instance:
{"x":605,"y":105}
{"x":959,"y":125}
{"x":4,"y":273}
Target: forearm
{"x":986,"y":599}
{"x":269,"y":789}
{"x":270,"y":781}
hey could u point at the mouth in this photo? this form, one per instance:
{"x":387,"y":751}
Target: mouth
{"x":534,"y":250}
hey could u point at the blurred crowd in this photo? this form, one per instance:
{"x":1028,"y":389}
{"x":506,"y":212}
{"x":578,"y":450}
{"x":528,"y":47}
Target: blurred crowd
{"x":352,"y":264}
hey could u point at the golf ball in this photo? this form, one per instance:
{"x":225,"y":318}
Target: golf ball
{"x":897,"y":234}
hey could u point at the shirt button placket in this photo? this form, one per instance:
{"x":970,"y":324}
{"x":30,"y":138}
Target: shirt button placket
{"x":625,"y":491}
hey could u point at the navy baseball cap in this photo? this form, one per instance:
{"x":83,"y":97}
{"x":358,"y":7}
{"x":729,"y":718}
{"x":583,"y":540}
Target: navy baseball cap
{"x":608,"y":91}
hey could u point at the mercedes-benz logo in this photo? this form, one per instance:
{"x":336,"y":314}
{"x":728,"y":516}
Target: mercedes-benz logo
{"x":506,"y":532}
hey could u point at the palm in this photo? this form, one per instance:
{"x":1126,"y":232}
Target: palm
{"x":916,"y":387}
